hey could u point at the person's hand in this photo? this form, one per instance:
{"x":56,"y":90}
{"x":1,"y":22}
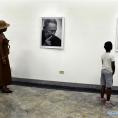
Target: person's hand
{"x":48,"y":41}
{"x":4,"y":61}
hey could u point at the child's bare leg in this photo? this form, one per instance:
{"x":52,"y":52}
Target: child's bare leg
{"x":102,"y":91}
{"x":108,"y":92}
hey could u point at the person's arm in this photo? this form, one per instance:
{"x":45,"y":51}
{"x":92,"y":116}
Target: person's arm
{"x":48,"y":41}
{"x":2,"y":54}
{"x":102,"y":62}
{"x":1,"y":51}
{"x":113,"y":67}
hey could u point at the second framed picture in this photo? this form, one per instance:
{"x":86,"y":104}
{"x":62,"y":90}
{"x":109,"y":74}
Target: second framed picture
{"x":52,"y":32}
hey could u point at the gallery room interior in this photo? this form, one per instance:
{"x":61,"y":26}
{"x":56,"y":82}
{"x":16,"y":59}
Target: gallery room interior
{"x":59,"y":81}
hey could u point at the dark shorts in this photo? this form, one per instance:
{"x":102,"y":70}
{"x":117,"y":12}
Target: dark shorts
{"x":106,"y":78}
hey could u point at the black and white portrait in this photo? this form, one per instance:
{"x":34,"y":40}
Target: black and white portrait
{"x":52,"y":32}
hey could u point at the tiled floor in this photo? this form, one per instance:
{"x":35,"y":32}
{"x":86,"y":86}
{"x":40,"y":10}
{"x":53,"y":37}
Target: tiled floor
{"x":31,"y":102}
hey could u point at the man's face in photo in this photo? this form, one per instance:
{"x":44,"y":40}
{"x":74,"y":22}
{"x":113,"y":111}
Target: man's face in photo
{"x":50,"y":30}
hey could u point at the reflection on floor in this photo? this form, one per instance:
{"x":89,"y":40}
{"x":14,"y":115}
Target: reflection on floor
{"x":31,"y":102}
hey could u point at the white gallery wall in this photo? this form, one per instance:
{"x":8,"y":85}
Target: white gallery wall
{"x":88,"y":24}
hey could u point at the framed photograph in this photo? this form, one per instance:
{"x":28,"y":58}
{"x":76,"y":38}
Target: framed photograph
{"x":52,"y":32}
{"x":116,"y":42}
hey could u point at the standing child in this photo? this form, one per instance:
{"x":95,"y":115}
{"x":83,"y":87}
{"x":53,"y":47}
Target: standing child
{"x":107,"y":72}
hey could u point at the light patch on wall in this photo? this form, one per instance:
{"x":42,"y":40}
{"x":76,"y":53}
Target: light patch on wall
{"x":116,"y":35}
{"x":3,"y":16}
{"x":52,"y":12}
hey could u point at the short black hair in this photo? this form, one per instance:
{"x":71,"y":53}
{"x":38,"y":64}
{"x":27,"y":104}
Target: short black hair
{"x":108,"y":46}
{"x":47,"y":21}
